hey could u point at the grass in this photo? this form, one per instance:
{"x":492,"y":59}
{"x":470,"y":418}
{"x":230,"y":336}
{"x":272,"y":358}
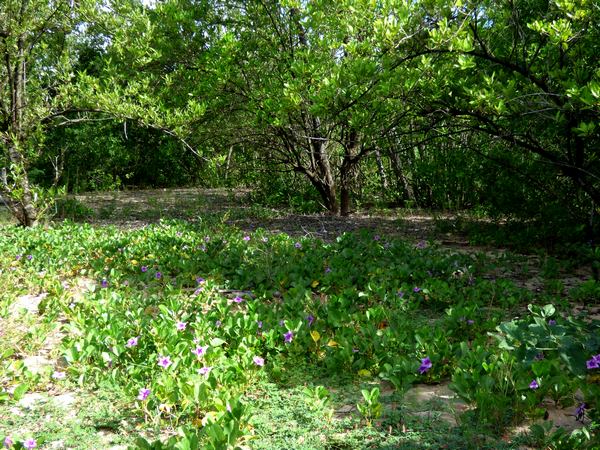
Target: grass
{"x":379,"y":304}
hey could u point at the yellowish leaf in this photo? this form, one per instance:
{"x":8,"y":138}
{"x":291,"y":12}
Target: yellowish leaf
{"x":315,"y":335}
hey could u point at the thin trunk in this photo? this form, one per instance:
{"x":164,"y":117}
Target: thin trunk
{"x":381,"y":170}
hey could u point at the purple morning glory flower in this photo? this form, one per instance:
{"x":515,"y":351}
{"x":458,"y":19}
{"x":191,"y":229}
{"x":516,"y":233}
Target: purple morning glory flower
{"x":298,"y":245}
{"x":181,"y":326}
{"x":104,"y":283}
{"x":258,"y":361}
{"x":238,"y":299}
{"x":205,"y":370}
{"x":30,"y":257}
{"x":59,"y":375}
{"x":421,"y":245}
{"x":132,"y":342}
{"x":200,"y":351}
{"x":18,"y":257}
{"x":310,"y":319}
{"x":8,"y":442}
{"x":400,"y":294}
{"x":281,"y":323}
{"x":416,"y":289}
{"x":376,"y":237}
{"x":534,"y":385}
{"x":218,"y":323}
{"x":259,"y":323}
{"x":593,"y":363}
{"x":288,"y":337}
{"x":164,"y":361}
{"x":198,"y":291}
{"x":327,"y":269}
{"x":29,"y":443}
{"x":144,"y":269}
{"x":246,"y":238}
{"x":143,"y":394}
{"x":200,"y":280}
{"x":470,"y":322}
{"x":539,"y":357}
{"x":552,"y":322}
{"x":158,"y":275}
{"x":425,"y":365}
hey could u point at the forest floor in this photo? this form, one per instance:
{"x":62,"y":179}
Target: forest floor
{"x":73,"y":417}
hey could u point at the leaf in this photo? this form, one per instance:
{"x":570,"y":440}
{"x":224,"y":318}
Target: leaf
{"x":332,"y":343}
{"x":217,"y":342}
{"x":315,"y":283}
{"x":20,"y":391}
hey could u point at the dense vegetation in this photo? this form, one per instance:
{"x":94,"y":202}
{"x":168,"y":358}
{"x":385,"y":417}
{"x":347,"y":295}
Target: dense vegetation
{"x":486,"y":107}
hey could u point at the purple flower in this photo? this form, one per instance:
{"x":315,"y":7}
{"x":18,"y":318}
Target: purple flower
{"x":310,"y":319}
{"x":376,"y":237}
{"x":580,"y":412}
{"x":126,"y":283}
{"x":470,"y":322}
{"x":246,"y":238}
{"x":205,"y":370}
{"x":421,"y":244}
{"x":206,"y":238}
{"x":200,"y":280}
{"x":552,"y":322}
{"x":143,"y":394}
{"x":144,"y":269}
{"x":238,"y":299}
{"x":534,"y":385}
{"x":164,"y":361}
{"x":29,"y":443}
{"x":104,"y":283}
{"x":416,"y":289}
{"x":298,"y":245}
{"x":539,"y":356}
{"x":200,"y":351}
{"x":30,"y":257}
{"x":198,"y":291}
{"x":259,"y":323}
{"x":158,"y":275}
{"x":8,"y":442}
{"x":327,"y":269}
{"x":218,"y":323}
{"x":355,"y":350}
{"x":400,"y":294}
{"x":593,"y":363}
{"x":181,"y":326}
{"x":281,"y":323}
{"x":132,"y":342}
{"x":59,"y":375}
{"x":258,"y":361}
{"x":288,"y":337}
{"x":425,"y":365}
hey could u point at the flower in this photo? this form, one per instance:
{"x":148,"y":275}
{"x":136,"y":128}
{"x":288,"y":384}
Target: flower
{"x":259,"y":323}
{"x":539,"y":356}
{"x":288,"y":337}
{"x":470,"y":322}
{"x":310,"y":319}
{"x":298,"y":245}
{"x":421,"y":244}
{"x":593,"y":363}
{"x":425,"y":365}
{"x":164,"y":361}
{"x":228,"y":407}
{"x":158,"y":275}
{"x":29,"y":443}
{"x":400,"y":294}
{"x":30,"y":257}
{"x":281,"y":323}
{"x":59,"y":375}
{"x":132,"y":342}
{"x":534,"y":385}
{"x":143,"y":394}
{"x":376,"y":237}
{"x":181,"y":326}
{"x":246,"y":238}
{"x":552,"y":322}
{"x":218,"y":323}
{"x":104,"y":283}
{"x":18,"y":257}
{"x":580,"y":411}
{"x":258,"y":361}
{"x":8,"y":442}
{"x":205,"y":370}
{"x":238,"y":299}
{"x":199,"y":351}
{"x":200,"y":280}
{"x":416,"y":289}
{"x":144,"y":269}
{"x":327,"y":269}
